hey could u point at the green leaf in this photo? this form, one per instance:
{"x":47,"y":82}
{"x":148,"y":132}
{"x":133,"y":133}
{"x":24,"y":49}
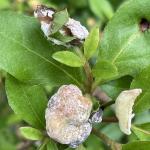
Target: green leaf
{"x":138,"y":145}
{"x":6,"y":142}
{"x":141,"y":133}
{"x":124,"y":44}
{"x":4,"y":4}
{"x":94,"y":143}
{"x":91,"y":43}
{"x":51,"y":145}
{"x":68,"y":58}
{"x":48,"y":144}
{"x":28,"y":101}
{"x":145,"y":126}
{"x":115,"y":87}
{"x":142,"y":81}
{"x":62,"y":38}
{"x":31,"y":133}
{"x":29,"y":59}
{"x":60,"y":19}
{"x":101,"y":8}
{"x":103,"y":70}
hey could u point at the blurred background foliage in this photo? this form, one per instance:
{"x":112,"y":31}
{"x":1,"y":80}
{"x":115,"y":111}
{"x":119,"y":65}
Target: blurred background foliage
{"x":89,"y":13}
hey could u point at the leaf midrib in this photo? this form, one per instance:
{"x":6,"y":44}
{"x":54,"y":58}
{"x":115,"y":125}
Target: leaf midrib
{"x":41,"y":57}
{"x":30,"y":105}
{"x":129,"y":41}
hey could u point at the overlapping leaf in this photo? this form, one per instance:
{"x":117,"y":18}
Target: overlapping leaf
{"x":142,"y":81}
{"x":28,"y":101}
{"x":124,"y":44}
{"x":26,"y":54}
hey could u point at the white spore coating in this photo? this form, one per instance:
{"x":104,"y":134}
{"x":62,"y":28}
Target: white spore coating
{"x":67,"y":116}
{"x":123,"y":108}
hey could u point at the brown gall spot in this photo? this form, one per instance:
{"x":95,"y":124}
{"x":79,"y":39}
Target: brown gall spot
{"x":144,"y":25}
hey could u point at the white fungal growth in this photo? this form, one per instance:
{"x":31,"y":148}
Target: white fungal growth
{"x":46,"y":28}
{"x":46,"y":16}
{"x":77,"y":29}
{"x":123,"y":108}
{"x":67,"y":116}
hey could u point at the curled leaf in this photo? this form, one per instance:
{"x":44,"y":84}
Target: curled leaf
{"x":56,"y":25}
{"x":123,"y":108}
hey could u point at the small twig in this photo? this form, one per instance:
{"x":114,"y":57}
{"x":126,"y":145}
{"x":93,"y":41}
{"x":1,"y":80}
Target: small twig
{"x":105,"y":105}
{"x":112,"y":144}
{"x":110,"y":119}
{"x":89,"y":76}
{"x":101,"y":95}
{"x":87,"y":69}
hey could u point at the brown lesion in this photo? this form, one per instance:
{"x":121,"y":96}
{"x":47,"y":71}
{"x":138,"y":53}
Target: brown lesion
{"x":41,"y":17}
{"x":144,"y":25}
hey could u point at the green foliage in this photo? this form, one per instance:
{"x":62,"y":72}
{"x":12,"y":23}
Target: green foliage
{"x":104,"y":70}
{"x":4,"y":4}
{"x":114,"y":88}
{"x":48,"y":144}
{"x":32,"y":64}
{"x":138,"y":145}
{"x":60,"y":19}
{"x":123,"y":43}
{"x":68,"y":58}
{"x":27,"y":101}
{"x":101,"y":8}
{"x":31,"y":133}
{"x":30,"y":58}
{"x":141,"y":133}
{"x":142,"y":81}
{"x":91,"y":43}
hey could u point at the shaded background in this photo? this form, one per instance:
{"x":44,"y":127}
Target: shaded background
{"x":89,"y":15}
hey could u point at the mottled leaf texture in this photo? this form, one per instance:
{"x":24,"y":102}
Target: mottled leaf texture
{"x":141,"y":133}
{"x":27,"y":101}
{"x":142,"y":81}
{"x":91,"y":43}
{"x":101,"y":8}
{"x":31,"y":133}
{"x":124,"y":43}
{"x":68,"y":58}
{"x":26,"y":53}
{"x":138,"y":145}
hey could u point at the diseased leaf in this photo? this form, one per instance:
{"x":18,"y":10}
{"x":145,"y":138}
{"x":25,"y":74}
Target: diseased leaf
{"x":101,"y":8}
{"x":27,"y":101}
{"x":103,"y":70}
{"x":138,"y":145}
{"x":31,"y":133}
{"x":60,"y":19}
{"x":124,"y":44}
{"x":91,"y":43}
{"x":26,"y":54}
{"x":142,"y":81}
{"x":68,"y":58}
{"x":141,"y":133}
